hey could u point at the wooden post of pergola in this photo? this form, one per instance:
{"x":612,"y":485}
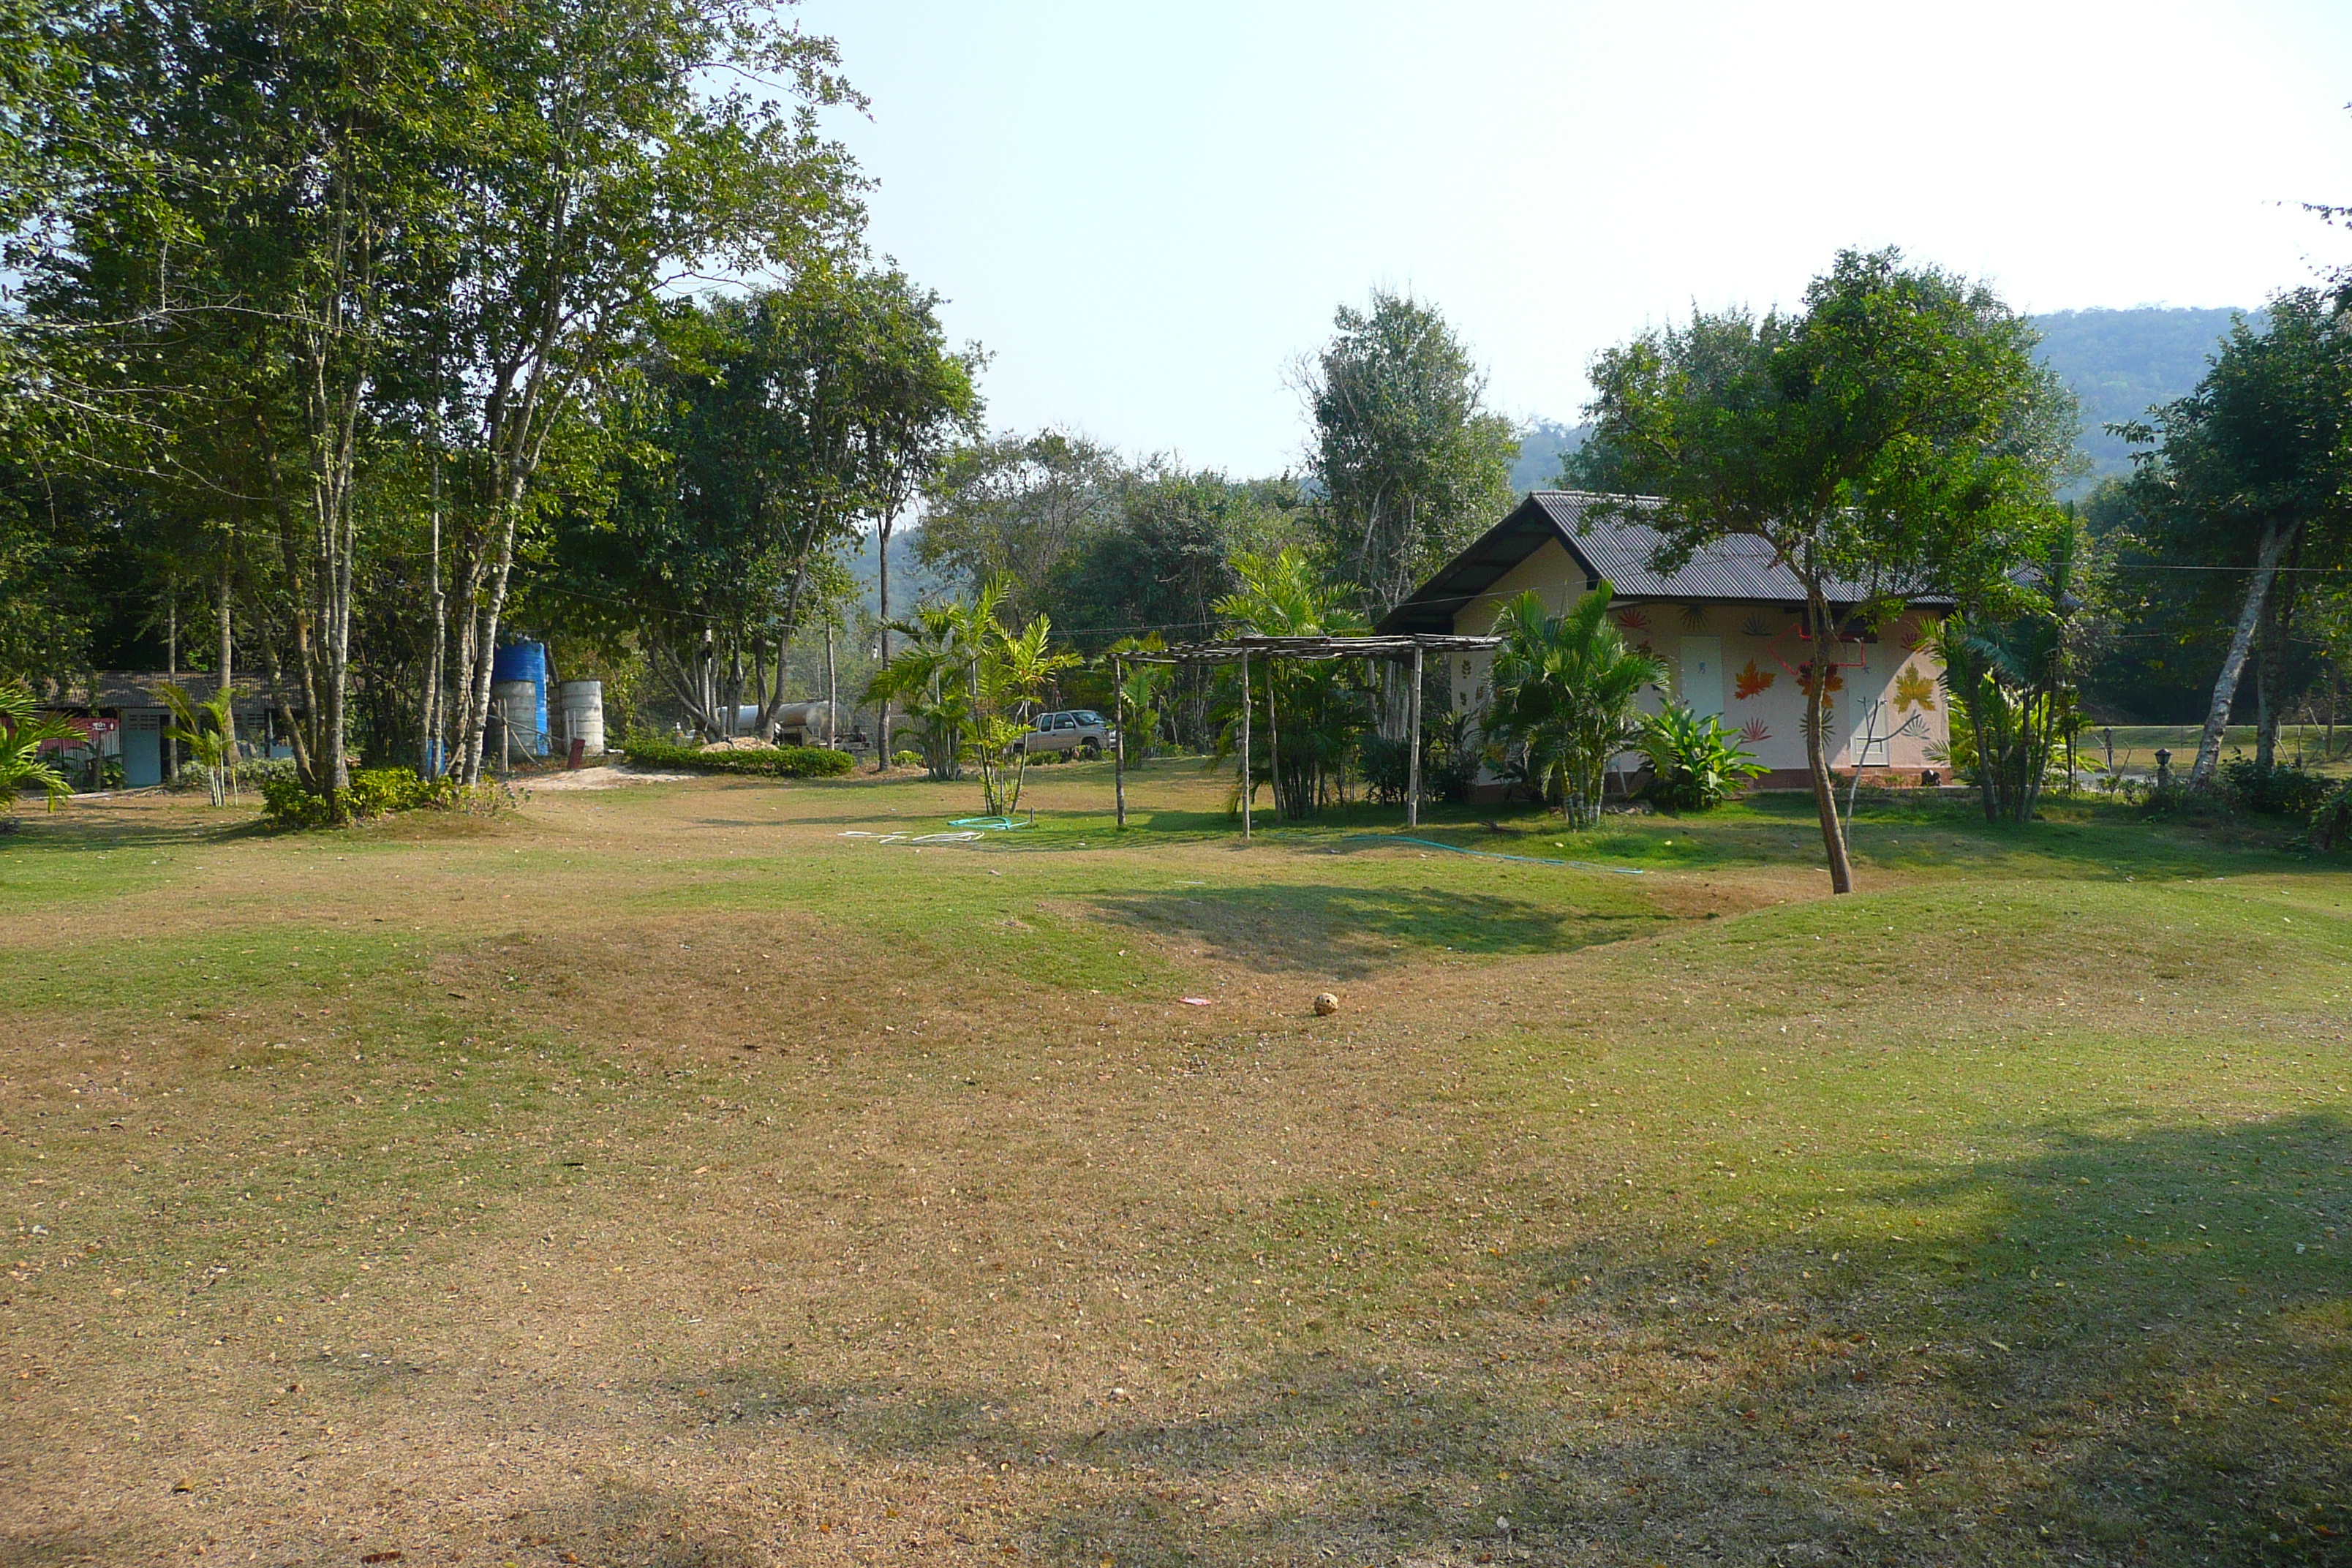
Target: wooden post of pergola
{"x":1249,"y":779}
{"x":1412,"y":746}
{"x":1118,"y":739}
{"x":1408,"y":646}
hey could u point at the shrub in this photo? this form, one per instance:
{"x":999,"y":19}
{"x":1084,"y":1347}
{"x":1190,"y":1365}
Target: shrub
{"x":1381,"y":762}
{"x":907,"y":759}
{"x":1449,"y":761}
{"x":2331,"y":824}
{"x":2279,"y":789}
{"x":374,"y":792}
{"x":1698,"y":764}
{"x":782,"y":761}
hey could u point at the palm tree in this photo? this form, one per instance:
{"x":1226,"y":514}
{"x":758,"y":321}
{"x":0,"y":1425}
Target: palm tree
{"x":206,"y":728}
{"x":1564,"y":689}
{"x":972,"y":686}
{"x":930,"y":676}
{"x":1007,"y":681}
{"x":23,"y":730}
{"x":1311,"y":712}
{"x":1142,"y":689}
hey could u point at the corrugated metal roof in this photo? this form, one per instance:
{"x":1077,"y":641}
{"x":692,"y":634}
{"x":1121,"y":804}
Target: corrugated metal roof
{"x":1613,"y":548}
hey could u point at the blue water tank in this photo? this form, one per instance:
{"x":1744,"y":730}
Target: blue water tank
{"x":526,"y":661}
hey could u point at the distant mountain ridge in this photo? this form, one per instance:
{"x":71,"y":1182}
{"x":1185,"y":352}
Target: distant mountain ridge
{"x":2120,"y":364}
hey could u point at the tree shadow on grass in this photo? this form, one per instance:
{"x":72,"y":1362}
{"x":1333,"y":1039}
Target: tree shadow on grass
{"x":2072,"y":1371}
{"x":1328,"y":928}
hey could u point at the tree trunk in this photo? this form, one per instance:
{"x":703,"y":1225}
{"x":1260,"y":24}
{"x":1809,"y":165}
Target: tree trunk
{"x":882,"y":720}
{"x":432,"y":762}
{"x":1817,"y":757}
{"x":2275,"y":539}
{"x":2267,"y":683}
{"x":171,"y":672}
{"x":228,"y":669}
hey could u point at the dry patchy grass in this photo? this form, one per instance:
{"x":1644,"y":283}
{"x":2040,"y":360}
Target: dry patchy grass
{"x":660,"y":1177}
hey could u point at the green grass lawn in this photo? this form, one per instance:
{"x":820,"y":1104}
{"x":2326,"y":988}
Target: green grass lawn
{"x":683,"y":1174}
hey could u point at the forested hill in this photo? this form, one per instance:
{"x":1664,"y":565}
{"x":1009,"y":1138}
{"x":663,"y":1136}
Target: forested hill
{"x":2119,"y":362}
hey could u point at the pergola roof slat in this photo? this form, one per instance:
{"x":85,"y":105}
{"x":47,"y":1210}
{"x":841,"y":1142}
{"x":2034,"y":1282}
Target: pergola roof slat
{"x":1383,"y":646}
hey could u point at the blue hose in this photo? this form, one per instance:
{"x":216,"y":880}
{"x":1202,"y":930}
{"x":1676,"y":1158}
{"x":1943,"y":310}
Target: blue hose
{"x":989,"y":824}
{"x":1492,"y":855}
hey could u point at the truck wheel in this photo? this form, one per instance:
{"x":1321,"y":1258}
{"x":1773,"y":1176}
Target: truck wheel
{"x":1091,"y":750}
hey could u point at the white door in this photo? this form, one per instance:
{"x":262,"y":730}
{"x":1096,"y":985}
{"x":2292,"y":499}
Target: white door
{"x":1703,"y":675}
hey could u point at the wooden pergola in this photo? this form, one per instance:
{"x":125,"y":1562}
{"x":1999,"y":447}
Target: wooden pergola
{"x":1405,"y":646}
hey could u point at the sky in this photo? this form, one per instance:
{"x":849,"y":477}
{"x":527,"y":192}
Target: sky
{"x":1147,"y":214}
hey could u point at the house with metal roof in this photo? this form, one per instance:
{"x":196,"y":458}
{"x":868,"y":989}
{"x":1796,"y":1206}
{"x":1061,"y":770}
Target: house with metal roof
{"x":1728,"y":623}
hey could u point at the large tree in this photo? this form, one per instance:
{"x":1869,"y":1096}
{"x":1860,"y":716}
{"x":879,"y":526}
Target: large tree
{"x":1896,"y":434}
{"x":1410,"y":463}
{"x":247,"y":273}
{"x":379,"y":240}
{"x":628,"y":146}
{"x":1009,"y":510}
{"x":751,"y":450}
{"x":2253,"y":471}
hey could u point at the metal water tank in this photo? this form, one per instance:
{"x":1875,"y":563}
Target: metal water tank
{"x":515,"y":705}
{"x":580,"y":715}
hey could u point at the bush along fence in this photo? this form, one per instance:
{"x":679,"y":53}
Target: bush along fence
{"x":779,"y":763}
{"x":374,"y":792}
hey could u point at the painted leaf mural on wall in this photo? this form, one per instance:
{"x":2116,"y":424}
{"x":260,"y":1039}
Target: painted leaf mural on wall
{"x":1912,"y":689}
{"x":1834,"y":682}
{"x":1751,"y":681}
{"x":1754,"y":731}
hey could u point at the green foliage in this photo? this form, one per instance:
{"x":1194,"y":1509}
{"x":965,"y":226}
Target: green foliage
{"x":2275,"y":789}
{"x":929,"y":678}
{"x":204,"y":728}
{"x":778,"y":762}
{"x":2010,"y":679}
{"x":1143,"y":692}
{"x":1897,"y":432}
{"x":23,"y":730}
{"x":1449,"y":768}
{"x":374,"y":792}
{"x":1305,"y":716}
{"x":1412,"y":464}
{"x":1698,"y":764}
{"x":972,"y":685}
{"x":1565,"y":689}
{"x":1008,"y":511}
{"x":2331,"y":822}
{"x":1449,"y":761}
{"x":753,"y":446}
{"x":1008,"y":681}
{"x":2250,"y":470}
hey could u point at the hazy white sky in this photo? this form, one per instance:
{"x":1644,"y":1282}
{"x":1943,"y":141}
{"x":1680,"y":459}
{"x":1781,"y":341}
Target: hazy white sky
{"x":1146,"y":213}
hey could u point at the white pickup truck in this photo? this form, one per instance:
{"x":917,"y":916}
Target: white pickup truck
{"x":1079,"y":730}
